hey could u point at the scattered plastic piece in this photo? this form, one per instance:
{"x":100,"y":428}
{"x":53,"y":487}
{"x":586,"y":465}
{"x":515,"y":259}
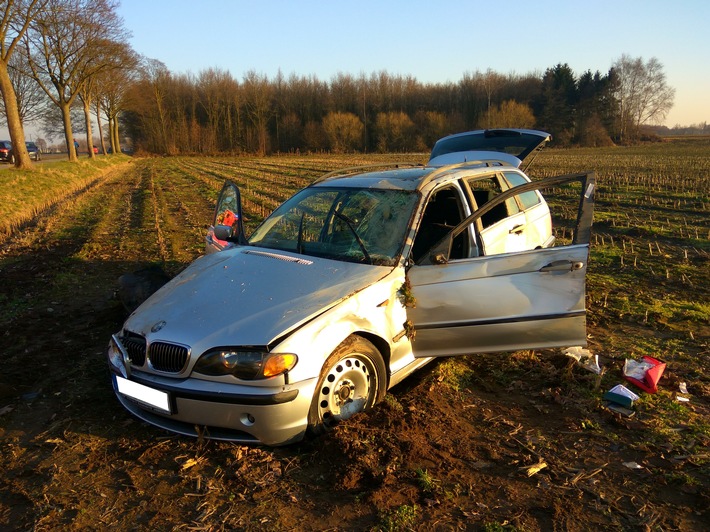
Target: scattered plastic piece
{"x":584,"y":358}
{"x":644,"y":373}
{"x":683,"y":388}
{"x":682,"y":399}
{"x":633,"y":465}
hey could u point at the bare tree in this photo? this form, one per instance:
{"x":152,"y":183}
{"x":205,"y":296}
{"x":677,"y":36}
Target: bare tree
{"x":66,"y":47}
{"x":217,"y":91}
{"x":31,"y":99}
{"x":148,"y":101}
{"x":642,"y":92}
{"x":16,"y":18}
{"x":116,"y":57}
{"x":112,"y":87}
{"x":258,"y":100}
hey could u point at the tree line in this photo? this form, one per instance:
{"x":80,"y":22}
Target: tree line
{"x":67,"y":65}
{"x":213,"y":112}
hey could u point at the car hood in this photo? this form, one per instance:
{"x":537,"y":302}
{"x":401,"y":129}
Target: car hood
{"x":247,"y":296}
{"x":509,"y":145}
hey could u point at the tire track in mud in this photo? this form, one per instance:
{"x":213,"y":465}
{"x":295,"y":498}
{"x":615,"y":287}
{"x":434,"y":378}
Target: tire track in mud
{"x":47,"y":255}
{"x":58,"y":286}
{"x":43,"y":217}
{"x":61,"y":276}
{"x":79,"y":253}
{"x":58,"y":282}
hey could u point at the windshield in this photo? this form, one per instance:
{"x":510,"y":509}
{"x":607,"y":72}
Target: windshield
{"x":348,"y":224}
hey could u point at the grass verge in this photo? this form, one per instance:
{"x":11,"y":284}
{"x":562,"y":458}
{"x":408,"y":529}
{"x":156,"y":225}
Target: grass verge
{"x":24,"y":194}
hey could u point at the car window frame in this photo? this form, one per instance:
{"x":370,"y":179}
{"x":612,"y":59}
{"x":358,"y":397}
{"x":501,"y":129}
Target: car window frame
{"x":440,"y":252}
{"x":518,"y":200}
{"x":503,"y":186}
{"x":466,"y":206}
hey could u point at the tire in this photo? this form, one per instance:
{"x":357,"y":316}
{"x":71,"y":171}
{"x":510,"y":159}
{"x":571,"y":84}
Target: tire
{"x":352,"y":380}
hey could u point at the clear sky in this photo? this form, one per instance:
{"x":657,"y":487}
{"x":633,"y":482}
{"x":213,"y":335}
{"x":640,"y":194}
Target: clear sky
{"x":433,"y":41}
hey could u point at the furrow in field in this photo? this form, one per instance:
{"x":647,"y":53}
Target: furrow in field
{"x":179,"y":228}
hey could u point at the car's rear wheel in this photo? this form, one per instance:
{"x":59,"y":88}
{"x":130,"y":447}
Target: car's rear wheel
{"x":352,"y":380}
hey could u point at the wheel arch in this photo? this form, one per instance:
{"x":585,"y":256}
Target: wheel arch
{"x":382,"y":346}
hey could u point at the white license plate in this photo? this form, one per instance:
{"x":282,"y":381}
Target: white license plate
{"x":144,"y":394}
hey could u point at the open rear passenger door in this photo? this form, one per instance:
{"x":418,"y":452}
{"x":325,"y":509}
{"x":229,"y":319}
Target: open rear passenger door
{"x":524,"y":300}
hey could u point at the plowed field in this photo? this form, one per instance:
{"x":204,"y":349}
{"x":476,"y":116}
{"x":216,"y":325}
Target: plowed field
{"x":516,"y":441}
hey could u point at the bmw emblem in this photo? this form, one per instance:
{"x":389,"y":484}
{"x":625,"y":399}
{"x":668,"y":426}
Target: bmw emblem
{"x":155,"y":328}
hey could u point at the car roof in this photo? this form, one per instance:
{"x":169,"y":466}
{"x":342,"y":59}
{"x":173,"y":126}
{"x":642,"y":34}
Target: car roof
{"x":395,"y":179}
{"x":413,"y":177}
{"x":483,"y":148}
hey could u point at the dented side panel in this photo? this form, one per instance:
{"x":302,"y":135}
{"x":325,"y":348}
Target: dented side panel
{"x":500,"y":303}
{"x":528,"y":300}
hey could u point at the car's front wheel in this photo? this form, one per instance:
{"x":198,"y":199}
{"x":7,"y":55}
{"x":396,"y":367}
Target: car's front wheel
{"x":352,"y":380}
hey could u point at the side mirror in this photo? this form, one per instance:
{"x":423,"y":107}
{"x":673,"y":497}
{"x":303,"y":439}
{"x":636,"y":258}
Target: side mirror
{"x":227,"y":221}
{"x":223,"y":232}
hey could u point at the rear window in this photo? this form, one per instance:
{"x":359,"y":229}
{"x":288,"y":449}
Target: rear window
{"x":515,"y":143}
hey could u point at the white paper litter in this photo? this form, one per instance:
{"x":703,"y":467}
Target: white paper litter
{"x":682,"y":399}
{"x":578,"y":353}
{"x":636,"y":370}
{"x":633,"y":465}
{"x":683,"y":388}
{"x":584,"y":358}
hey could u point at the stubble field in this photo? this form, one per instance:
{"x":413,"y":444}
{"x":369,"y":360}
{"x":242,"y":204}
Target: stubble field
{"x":450,"y":448}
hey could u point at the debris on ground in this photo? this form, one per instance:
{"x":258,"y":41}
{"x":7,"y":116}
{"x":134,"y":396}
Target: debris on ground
{"x":584,"y":358}
{"x":644,"y":373}
{"x":620,"y":400}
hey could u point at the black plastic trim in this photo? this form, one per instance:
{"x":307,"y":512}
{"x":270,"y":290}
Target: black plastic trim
{"x":228,"y":398}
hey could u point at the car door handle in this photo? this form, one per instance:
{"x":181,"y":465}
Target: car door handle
{"x":517,"y":229}
{"x":562,"y":266}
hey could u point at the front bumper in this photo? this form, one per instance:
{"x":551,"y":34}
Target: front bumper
{"x":246,"y":414}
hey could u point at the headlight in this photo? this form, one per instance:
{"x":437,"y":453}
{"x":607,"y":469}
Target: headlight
{"x":244,"y":364}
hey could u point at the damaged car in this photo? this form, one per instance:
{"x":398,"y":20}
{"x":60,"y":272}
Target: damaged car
{"x":354,"y":283}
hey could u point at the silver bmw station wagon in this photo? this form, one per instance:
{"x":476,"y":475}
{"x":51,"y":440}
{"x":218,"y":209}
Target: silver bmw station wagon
{"x":354,"y":283}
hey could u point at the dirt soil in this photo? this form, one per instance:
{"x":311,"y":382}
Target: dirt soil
{"x":494,"y":442}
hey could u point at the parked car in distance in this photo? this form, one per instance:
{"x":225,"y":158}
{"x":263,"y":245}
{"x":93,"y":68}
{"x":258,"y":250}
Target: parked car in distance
{"x":351,"y":285}
{"x":33,"y":151}
{"x":6,"y":153}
